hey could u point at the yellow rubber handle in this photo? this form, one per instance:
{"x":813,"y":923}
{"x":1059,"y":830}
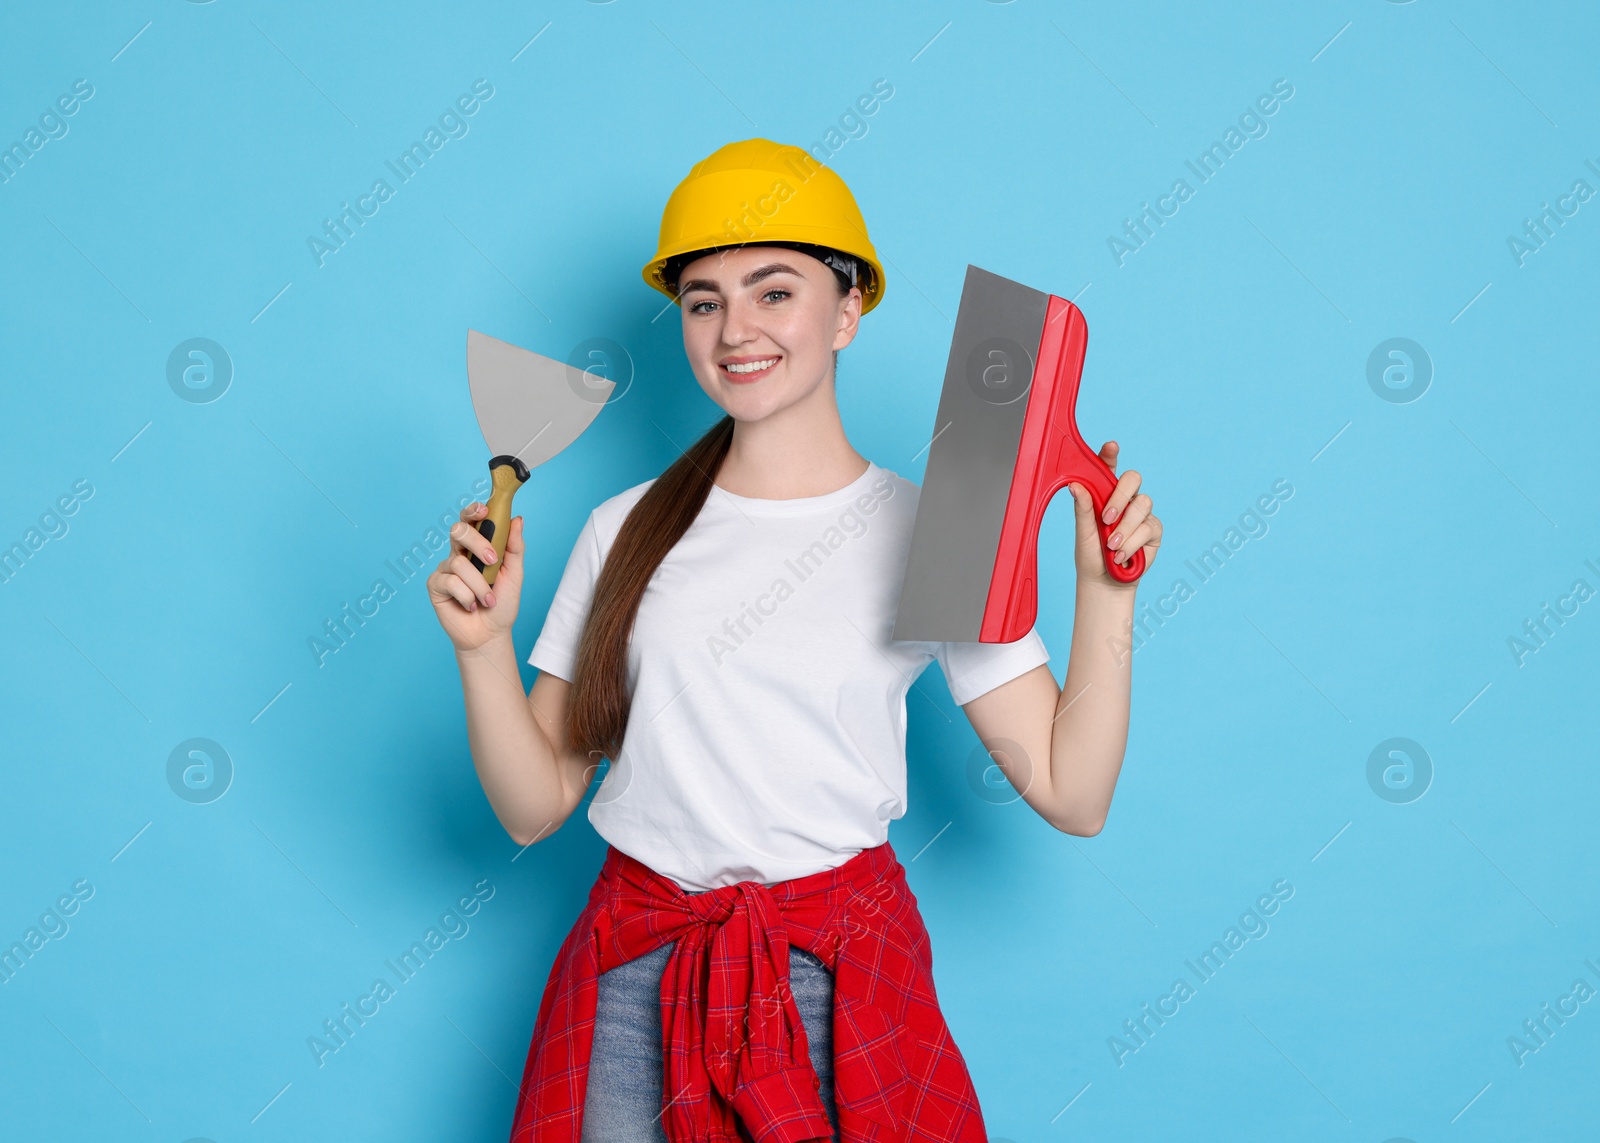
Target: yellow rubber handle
{"x":508,"y":474}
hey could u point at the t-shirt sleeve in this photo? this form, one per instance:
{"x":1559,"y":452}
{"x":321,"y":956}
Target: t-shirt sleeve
{"x":974,"y":669}
{"x":556,"y":649}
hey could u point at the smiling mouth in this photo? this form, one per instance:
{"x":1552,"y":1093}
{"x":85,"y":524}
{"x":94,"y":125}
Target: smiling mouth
{"x":748,"y":370}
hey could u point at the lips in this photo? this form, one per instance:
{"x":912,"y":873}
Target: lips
{"x":749,"y":368}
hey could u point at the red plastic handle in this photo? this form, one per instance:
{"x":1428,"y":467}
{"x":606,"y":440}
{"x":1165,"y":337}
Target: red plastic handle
{"x":1050,"y":454}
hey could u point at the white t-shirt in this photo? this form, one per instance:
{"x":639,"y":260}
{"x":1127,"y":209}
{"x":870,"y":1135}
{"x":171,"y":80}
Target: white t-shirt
{"x":766,"y":736}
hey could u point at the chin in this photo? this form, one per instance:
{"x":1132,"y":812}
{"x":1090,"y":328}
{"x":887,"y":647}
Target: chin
{"x":750,"y":406}
{"x":757,"y":400}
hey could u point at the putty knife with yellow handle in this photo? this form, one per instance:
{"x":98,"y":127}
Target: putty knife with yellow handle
{"x":529,"y":407}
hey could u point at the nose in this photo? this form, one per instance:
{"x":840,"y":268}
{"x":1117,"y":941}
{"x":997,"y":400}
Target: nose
{"x":738,"y":323}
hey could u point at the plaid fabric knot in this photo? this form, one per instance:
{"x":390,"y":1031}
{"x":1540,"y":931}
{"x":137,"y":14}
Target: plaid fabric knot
{"x":736,"y":1064}
{"x":714,"y":907}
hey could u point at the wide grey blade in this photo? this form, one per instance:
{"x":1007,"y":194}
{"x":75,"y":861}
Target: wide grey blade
{"x":529,"y":406}
{"x":972,"y":460}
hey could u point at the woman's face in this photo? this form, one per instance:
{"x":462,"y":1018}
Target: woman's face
{"x":760,"y":324}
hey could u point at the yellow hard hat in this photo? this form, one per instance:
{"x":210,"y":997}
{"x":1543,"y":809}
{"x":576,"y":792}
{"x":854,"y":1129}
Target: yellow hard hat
{"x":758,"y":191}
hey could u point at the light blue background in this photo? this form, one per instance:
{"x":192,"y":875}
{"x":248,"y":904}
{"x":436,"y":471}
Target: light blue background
{"x":1226,"y":354}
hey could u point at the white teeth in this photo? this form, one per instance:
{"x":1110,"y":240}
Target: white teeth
{"x":751,"y":366}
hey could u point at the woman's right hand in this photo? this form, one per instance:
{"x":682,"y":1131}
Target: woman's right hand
{"x":470,"y":611}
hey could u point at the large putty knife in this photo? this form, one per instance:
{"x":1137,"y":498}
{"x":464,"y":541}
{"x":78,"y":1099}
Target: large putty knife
{"x":1005,"y":441}
{"x":529,"y":407}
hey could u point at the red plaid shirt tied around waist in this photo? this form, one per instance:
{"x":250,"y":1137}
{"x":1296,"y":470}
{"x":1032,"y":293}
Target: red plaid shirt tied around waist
{"x":734,"y":1047}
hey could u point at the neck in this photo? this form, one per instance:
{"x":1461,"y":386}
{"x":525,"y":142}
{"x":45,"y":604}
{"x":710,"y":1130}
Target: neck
{"x":798,"y":451}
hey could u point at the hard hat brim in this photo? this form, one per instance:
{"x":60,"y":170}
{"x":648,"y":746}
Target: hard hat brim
{"x":871,"y":292}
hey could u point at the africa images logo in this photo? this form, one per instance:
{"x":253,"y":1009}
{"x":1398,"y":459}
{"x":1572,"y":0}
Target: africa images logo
{"x":851,"y":524}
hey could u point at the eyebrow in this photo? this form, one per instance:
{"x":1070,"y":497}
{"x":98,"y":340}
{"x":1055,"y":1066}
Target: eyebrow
{"x":749,"y":279}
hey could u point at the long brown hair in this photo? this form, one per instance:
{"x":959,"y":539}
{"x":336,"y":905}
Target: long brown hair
{"x":597,"y":708}
{"x":597,"y":712}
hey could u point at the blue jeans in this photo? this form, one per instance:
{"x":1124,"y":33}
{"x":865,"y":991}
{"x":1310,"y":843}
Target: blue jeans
{"x":625,"y":1071}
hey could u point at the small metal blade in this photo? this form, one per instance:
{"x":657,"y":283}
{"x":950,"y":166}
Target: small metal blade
{"x":528,"y":405}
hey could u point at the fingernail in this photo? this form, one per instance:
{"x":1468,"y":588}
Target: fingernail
{"x":488,"y":599}
{"x":1116,"y":538}
{"x":1108,"y":515}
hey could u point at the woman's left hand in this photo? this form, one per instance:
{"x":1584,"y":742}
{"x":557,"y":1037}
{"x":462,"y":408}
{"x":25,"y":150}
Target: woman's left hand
{"x":1129,"y":510}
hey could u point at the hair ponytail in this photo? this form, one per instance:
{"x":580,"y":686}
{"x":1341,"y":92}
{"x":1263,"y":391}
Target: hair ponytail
{"x":597,"y":711}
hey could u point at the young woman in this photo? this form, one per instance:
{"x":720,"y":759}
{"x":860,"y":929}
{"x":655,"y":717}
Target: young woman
{"x":751,"y":963}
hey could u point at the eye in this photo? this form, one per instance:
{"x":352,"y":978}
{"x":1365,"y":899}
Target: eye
{"x":695,"y":308}
{"x":775,"y":290}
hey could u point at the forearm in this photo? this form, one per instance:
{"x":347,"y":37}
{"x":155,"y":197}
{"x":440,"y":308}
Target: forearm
{"x":1090,"y":731}
{"x":514,"y":759}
